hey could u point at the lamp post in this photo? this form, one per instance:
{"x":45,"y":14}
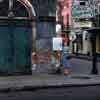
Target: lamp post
{"x":94,"y":57}
{"x":93,"y":41}
{"x":94,"y":32}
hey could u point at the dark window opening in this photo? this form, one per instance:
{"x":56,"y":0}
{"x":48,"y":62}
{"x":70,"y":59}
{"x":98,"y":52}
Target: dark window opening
{"x":4,"y":8}
{"x":82,"y":3}
{"x":19,"y":10}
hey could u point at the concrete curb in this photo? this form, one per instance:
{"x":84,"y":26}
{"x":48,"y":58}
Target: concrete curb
{"x":46,"y":84}
{"x":32,"y":88}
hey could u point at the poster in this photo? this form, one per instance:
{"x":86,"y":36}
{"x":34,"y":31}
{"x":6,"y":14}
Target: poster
{"x":57,"y":43}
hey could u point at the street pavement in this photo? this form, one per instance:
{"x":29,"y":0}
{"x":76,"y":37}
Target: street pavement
{"x":82,"y":66}
{"x":74,"y":93}
{"x":80,"y":76}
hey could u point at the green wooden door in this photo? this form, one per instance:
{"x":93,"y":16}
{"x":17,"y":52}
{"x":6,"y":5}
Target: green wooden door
{"x":5,"y":49}
{"x":15,"y":47}
{"x":22,"y":42}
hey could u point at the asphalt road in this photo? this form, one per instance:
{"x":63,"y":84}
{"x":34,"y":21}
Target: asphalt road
{"x":78,"y":93}
{"x":82,"y":66}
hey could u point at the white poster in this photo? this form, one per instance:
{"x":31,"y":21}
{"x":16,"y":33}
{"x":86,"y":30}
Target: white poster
{"x":57,"y":43}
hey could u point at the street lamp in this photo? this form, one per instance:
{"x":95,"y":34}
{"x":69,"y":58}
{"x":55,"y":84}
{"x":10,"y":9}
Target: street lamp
{"x":93,"y":41}
{"x":94,"y":30}
{"x":94,"y":57}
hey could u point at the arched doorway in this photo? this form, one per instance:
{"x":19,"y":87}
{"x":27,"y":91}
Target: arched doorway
{"x":16,"y":29}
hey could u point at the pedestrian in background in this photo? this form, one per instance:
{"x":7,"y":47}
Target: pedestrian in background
{"x":65,"y":56}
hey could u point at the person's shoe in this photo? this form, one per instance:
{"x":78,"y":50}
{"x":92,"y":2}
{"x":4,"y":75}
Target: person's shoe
{"x":58,"y":71}
{"x":67,"y":71}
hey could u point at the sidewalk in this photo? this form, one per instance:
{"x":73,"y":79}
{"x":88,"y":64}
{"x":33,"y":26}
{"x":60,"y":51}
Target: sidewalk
{"x":39,"y":81}
{"x":84,"y":57}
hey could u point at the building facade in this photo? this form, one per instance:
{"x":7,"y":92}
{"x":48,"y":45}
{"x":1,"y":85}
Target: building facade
{"x":21,"y":22}
{"x":82,"y":13}
{"x":45,"y":31}
{"x":85,"y":16}
{"x":97,"y":17}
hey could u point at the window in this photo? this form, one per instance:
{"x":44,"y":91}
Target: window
{"x":4,"y":7}
{"x":82,"y":3}
{"x":19,"y":10}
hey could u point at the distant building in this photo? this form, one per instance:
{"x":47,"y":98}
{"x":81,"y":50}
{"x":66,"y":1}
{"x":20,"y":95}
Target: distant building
{"x":81,"y":19}
{"x":64,"y":13}
{"x":97,"y":24}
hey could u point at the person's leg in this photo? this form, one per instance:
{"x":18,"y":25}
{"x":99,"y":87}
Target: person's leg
{"x":67,"y":69}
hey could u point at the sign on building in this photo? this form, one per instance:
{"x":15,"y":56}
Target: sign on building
{"x":82,"y":24}
{"x":82,"y":12}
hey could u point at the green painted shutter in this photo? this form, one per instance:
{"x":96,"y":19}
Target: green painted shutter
{"x":5,"y":50}
{"x":22,"y":40}
{"x":15,"y":47}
